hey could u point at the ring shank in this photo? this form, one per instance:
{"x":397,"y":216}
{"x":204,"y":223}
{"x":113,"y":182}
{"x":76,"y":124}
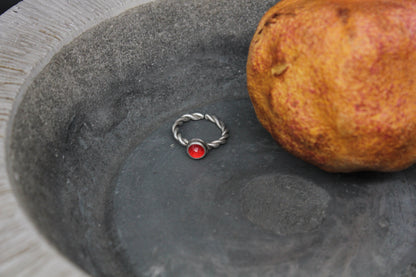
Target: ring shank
{"x":198,"y":116}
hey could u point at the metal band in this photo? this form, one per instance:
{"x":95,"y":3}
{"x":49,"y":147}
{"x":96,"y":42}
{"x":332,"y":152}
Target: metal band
{"x":198,"y":116}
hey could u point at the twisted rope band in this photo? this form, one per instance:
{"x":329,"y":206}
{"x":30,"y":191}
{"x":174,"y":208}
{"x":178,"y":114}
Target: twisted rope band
{"x":198,"y":116}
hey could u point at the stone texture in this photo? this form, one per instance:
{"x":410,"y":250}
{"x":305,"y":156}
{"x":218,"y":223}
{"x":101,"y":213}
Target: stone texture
{"x":105,"y":85}
{"x":97,"y":171}
{"x":30,"y":34}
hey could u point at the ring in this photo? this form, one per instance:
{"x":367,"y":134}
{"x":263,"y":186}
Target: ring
{"x":197,"y":148}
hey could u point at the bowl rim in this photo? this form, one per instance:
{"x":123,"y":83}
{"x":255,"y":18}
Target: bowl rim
{"x":31,"y":33}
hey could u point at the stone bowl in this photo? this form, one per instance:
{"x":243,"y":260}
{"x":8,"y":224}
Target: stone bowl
{"x":93,"y":183}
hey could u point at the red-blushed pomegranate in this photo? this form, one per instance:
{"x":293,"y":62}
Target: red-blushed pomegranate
{"x":334,"y":81}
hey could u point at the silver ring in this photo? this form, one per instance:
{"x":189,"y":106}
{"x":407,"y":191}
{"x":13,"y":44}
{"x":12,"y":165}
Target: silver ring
{"x":196,"y":148}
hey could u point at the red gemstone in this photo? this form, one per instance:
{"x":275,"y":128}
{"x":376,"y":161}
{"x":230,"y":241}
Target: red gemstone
{"x":196,"y":151}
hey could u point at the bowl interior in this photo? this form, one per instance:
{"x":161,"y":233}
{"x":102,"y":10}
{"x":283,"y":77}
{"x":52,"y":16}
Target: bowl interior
{"x":94,"y":163}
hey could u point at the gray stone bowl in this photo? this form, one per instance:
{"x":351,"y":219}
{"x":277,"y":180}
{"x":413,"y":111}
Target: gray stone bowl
{"x":92,"y":181}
